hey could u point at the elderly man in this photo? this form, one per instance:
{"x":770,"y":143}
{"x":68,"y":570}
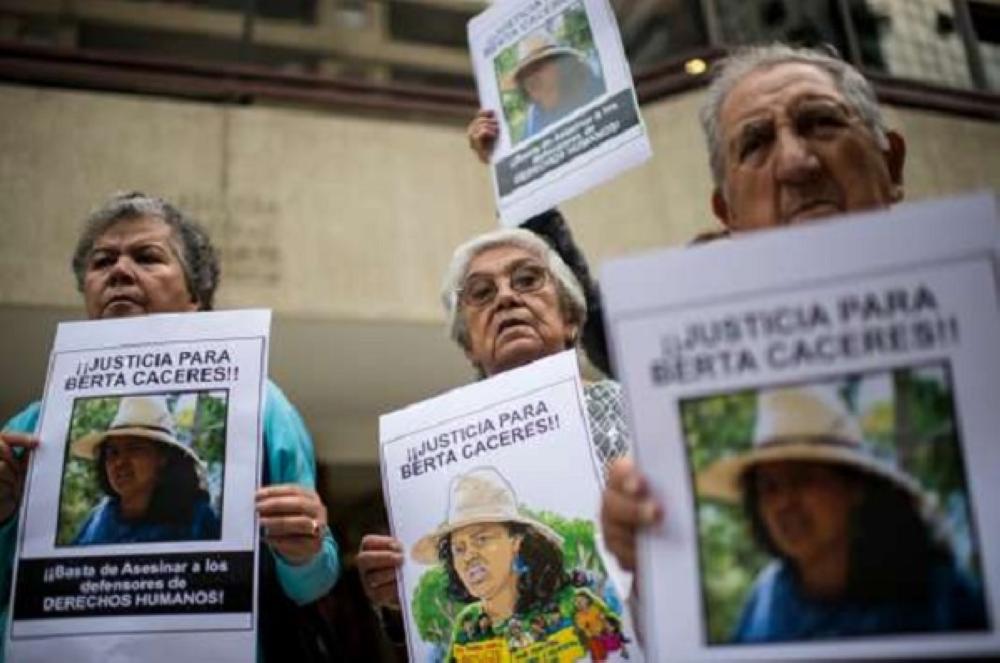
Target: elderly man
{"x":793,"y":135}
{"x":140,"y":255}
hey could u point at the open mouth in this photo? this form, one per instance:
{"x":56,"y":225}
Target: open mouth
{"x":476,"y":573}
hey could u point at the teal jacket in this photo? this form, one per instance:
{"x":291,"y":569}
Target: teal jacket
{"x":290,"y":459}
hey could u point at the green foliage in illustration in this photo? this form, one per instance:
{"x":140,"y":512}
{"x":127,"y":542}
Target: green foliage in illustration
{"x":571,"y":28}
{"x":434,"y":610}
{"x":910,"y":422}
{"x":199,"y":417}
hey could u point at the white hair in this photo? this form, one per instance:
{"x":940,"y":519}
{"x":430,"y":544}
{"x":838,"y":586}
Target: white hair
{"x":572,"y":302}
{"x":857,"y":91}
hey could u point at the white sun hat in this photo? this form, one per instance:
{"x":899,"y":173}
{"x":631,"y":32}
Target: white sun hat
{"x":480,"y":495}
{"x":138,"y":416}
{"x":800,"y":424}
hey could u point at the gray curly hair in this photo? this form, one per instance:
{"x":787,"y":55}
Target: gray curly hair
{"x":572,"y":302}
{"x":198,"y":258}
{"x":729,"y":72}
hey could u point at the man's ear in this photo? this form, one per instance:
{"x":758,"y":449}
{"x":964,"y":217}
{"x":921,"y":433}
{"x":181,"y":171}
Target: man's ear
{"x":895,"y":158}
{"x":721,"y":208}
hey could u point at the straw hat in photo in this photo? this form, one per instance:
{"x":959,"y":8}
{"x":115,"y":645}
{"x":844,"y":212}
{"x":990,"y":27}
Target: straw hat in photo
{"x":481,"y":495}
{"x":138,"y":416}
{"x":536,"y":47}
{"x":800,"y":424}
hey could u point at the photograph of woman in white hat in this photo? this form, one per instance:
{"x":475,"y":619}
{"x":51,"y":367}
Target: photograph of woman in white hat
{"x":551,"y":76}
{"x":509,"y":567}
{"x":850,"y":544}
{"x":153,"y":483}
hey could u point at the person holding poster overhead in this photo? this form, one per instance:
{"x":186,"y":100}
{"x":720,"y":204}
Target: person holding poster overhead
{"x":793,"y":135}
{"x":509,"y":567}
{"x":510,"y":300}
{"x":855,"y":548}
{"x":140,"y":255}
{"x":155,"y":484}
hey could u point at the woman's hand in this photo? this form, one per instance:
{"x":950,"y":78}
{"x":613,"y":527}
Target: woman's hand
{"x":12,"y":470}
{"x":378,"y":560}
{"x":626,"y":506}
{"x":482,"y":133}
{"x":294,"y":521}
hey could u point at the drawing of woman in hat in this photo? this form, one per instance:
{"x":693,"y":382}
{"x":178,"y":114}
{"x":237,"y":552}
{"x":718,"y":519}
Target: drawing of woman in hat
{"x":508,"y":567}
{"x":855,"y":548}
{"x":554,"y":80}
{"x":154,"y":483}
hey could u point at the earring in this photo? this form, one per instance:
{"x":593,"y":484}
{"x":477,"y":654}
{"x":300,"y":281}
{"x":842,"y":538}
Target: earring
{"x":520,"y":568}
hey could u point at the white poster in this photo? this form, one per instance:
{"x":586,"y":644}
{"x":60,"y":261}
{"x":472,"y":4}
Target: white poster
{"x":816,"y":408}
{"x":493,"y":490}
{"x":138,"y":536}
{"x":555,"y":74}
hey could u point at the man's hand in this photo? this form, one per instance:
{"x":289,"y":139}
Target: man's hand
{"x":482,"y":133}
{"x":626,"y":506}
{"x":294,"y":521}
{"x":378,"y":560}
{"x":12,"y":470}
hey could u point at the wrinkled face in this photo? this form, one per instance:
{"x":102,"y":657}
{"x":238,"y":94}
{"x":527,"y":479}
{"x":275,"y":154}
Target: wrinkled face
{"x":806,"y":507}
{"x":515,"y":328}
{"x":133,"y":465}
{"x":795,"y":150}
{"x":483,"y":556}
{"x":134,"y":269}
{"x":542,"y":82}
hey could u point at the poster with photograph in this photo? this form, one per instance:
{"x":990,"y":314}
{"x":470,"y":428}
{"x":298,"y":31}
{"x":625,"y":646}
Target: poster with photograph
{"x":494,"y":490}
{"x":555,"y":74}
{"x":138,"y":536}
{"x":819,"y":419}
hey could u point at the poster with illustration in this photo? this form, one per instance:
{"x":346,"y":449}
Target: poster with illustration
{"x":555,"y":74}
{"x":820,"y":420}
{"x":138,"y":525}
{"x":494,"y":491}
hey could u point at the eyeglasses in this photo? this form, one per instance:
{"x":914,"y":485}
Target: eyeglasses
{"x":480,"y":289}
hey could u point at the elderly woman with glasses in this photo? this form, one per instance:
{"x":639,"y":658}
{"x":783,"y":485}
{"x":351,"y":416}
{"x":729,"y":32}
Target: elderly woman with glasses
{"x":510,"y":300}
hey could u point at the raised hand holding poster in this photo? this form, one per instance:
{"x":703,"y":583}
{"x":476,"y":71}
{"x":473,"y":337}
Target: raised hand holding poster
{"x":555,"y":74}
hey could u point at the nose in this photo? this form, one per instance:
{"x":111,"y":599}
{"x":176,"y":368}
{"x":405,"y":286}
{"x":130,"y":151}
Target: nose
{"x":122,"y":272}
{"x":506,"y":295}
{"x":795,"y":161}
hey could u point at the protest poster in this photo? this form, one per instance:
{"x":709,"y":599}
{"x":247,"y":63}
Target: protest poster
{"x":816,"y":409}
{"x":494,"y":489}
{"x":555,"y":74}
{"x":138,"y":537}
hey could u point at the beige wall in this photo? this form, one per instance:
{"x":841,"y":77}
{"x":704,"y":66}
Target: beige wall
{"x":340,"y":223}
{"x":347,"y":217}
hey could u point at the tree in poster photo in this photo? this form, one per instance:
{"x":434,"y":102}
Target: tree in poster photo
{"x":508,"y":569}
{"x":153,"y":482}
{"x":854,"y":544}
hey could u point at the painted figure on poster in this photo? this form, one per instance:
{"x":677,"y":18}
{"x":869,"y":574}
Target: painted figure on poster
{"x":508,"y":568}
{"x":154,"y":483}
